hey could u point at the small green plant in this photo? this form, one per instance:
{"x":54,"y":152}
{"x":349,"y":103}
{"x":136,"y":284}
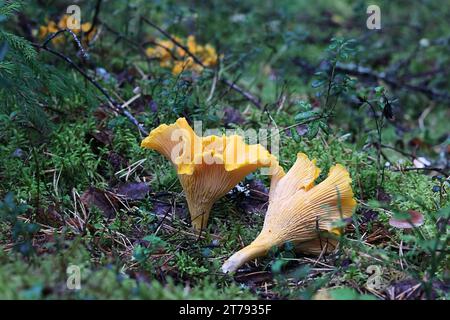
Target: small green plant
{"x":331,"y":85}
{"x":188,"y":266}
{"x":142,"y":253}
{"x":22,"y":231}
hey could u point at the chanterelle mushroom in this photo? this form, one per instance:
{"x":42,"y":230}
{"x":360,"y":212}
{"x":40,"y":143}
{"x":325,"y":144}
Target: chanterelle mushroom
{"x":298,"y":209}
{"x":207,"y":167}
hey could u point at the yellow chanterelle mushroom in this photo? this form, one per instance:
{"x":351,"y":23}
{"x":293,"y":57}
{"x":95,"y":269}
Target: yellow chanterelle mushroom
{"x":300,"y":211}
{"x":207,"y":167}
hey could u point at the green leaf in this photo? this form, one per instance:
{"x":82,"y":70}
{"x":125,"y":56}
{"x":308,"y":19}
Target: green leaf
{"x":295,"y":135}
{"x":139,"y":253}
{"x":278,"y":265}
{"x":444,"y":212}
{"x":304,"y":105}
{"x":379,"y":90}
{"x":305,"y":115}
{"x":317,"y":83}
{"x":324,"y":126}
{"x":313,"y":130}
{"x":301,"y":272}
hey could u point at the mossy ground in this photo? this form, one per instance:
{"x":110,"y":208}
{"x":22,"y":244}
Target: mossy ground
{"x":147,"y":249}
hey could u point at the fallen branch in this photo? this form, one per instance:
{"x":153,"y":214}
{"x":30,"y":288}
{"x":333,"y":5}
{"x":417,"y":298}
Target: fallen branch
{"x":244,"y":93}
{"x":366,"y":72}
{"x":74,"y":36}
{"x":360,"y":71}
{"x":112,"y":103}
{"x":440,"y":170}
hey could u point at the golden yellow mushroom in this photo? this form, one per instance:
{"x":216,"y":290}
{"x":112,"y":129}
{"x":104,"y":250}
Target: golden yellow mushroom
{"x":298,"y":210}
{"x":207,"y":167}
{"x":177,"y":58}
{"x":52,"y":27}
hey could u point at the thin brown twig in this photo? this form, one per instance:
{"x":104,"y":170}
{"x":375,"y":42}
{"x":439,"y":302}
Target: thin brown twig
{"x":365,"y":72}
{"x":95,"y":18}
{"x":443,"y":171}
{"x":113,"y":104}
{"x":74,"y":36}
{"x":437,"y":169}
{"x":175,"y":41}
{"x":356,"y":70}
{"x":244,"y":93}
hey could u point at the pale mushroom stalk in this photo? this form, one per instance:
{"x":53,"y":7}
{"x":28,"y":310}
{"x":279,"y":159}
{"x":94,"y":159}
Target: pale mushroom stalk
{"x":300,"y":212}
{"x":257,"y":248}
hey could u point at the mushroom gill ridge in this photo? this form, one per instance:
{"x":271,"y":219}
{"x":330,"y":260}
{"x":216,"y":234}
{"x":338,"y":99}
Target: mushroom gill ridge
{"x":207,"y":167}
{"x":299,"y":211}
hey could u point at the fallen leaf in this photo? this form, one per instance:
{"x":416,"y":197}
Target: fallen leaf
{"x":255,"y":197}
{"x":133,"y":190}
{"x":103,"y":200}
{"x":102,"y":137}
{"x":162,"y":209}
{"x":388,"y":112}
{"x":117,"y":161}
{"x":416,"y":142}
{"x":369,"y":216}
{"x":50,"y":216}
{"x":232,"y":116}
{"x":127,"y":76}
{"x":101,"y":113}
{"x":383,"y":196}
{"x":300,"y":129}
{"x":142,"y":104}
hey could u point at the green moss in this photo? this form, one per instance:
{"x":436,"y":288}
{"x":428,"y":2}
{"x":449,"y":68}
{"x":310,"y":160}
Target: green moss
{"x":46,"y":277}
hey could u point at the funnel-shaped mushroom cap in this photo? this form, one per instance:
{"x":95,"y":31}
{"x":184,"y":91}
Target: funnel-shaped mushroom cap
{"x":300,"y":212}
{"x":208,"y":167}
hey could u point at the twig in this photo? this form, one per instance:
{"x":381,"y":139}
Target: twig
{"x":135,"y":44}
{"x":38,"y":180}
{"x":366,"y":72}
{"x":437,"y":169}
{"x":175,"y":41}
{"x":113,"y":104}
{"x":423,"y":115}
{"x":95,"y":18}
{"x":59,"y":32}
{"x":244,"y":93}
{"x":356,"y":70}
{"x":412,"y":156}
{"x":379,"y":127}
{"x":406,"y":154}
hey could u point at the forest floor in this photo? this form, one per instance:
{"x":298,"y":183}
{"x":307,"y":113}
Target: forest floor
{"x":78,"y":193}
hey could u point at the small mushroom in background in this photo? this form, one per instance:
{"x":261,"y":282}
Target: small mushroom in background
{"x":299,"y":211}
{"x":208,"y":167}
{"x":411,"y":220}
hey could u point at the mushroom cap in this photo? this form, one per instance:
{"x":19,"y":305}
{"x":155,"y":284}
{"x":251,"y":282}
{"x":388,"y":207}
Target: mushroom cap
{"x":299,"y":211}
{"x":207,"y":167}
{"x":415,"y":219}
{"x":297,"y":207}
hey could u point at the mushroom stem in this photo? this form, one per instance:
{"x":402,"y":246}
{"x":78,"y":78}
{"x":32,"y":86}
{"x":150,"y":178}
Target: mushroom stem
{"x":199,"y":215}
{"x":254,"y":250}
